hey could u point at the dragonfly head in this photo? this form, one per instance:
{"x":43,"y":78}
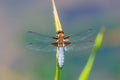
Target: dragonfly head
{"x":60,"y":33}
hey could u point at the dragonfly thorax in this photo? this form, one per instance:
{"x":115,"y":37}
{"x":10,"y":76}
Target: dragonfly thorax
{"x":60,"y":40}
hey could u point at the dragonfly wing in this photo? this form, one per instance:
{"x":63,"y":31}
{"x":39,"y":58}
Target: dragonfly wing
{"x":39,"y":42}
{"x":84,"y":35}
{"x":79,"y":47}
{"x":39,"y":47}
{"x":82,"y":41}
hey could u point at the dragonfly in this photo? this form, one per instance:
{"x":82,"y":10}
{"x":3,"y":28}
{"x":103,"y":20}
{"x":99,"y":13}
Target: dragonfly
{"x":72,"y":43}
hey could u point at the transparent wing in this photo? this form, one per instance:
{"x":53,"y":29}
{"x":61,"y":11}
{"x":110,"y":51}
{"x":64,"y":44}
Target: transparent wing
{"x":78,"y":47}
{"x":84,"y":35}
{"x":83,"y":40}
{"x":39,"y":42}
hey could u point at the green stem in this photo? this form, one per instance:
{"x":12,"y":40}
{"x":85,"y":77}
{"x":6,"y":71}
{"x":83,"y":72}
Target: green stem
{"x":58,"y":28}
{"x":56,"y":17}
{"x":86,"y":71}
{"x":57,"y":75}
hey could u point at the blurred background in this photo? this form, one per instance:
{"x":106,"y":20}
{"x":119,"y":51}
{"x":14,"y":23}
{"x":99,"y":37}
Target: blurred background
{"x":19,"y":16}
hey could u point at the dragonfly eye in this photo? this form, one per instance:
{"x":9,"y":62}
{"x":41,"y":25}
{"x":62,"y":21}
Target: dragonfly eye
{"x":60,"y":32}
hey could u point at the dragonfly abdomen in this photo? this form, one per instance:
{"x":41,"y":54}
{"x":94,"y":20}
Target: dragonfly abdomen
{"x":61,"y":57}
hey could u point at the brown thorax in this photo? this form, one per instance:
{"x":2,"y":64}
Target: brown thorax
{"x":60,"y":40}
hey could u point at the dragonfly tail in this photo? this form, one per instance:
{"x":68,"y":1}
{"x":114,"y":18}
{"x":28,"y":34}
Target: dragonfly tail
{"x":61,"y":57}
